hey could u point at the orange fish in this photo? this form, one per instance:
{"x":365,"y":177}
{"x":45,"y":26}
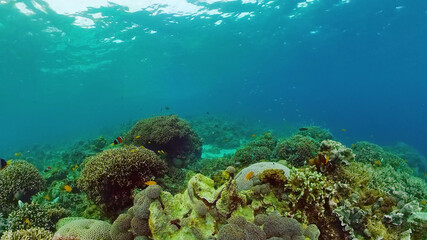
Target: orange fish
{"x":118,"y":140}
{"x":150,"y":183}
{"x":344,"y":130}
{"x":68,"y":188}
{"x":249,"y":175}
{"x":253,"y":135}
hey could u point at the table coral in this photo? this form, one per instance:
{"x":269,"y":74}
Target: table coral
{"x":109,"y":177}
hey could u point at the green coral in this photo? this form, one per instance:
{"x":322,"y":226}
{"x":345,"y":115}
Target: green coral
{"x":35,"y":215}
{"x":297,"y":149}
{"x":110,"y":177}
{"x":84,"y":229}
{"x":317,"y":133}
{"x":34,"y":233}
{"x":18,"y":181}
{"x":170,"y":134}
{"x":251,"y":154}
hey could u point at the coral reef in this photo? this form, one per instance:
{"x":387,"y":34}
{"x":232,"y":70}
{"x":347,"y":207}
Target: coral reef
{"x":34,"y":233}
{"x":297,"y":149}
{"x":317,"y":133}
{"x":134,"y":223}
{"x":18,"y":181}
{"x":257,"y":168}
{"x":169,"y":134}
{"x":257,"y":150}
{"x":35,"y":215}
{"x":84,"y":229}
{"x":109,"y":177}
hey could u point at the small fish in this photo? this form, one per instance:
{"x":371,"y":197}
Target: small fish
{"x":47,"y":197}
{"x":207,"y":113}
{"x":76,"y":166}
{"x":149,"y":142}
{"x":253,"y":135}
{"x":137,"y":137}
{"x":133,"y":150}
{"x":167,"y":108}
{"x":3,"y":163}
{"x":326,"y":159}
{"x":118,"y":140}
{"x":249,"y":175}
{"x":161,"y":152}
{"x":227,"y":140}
{"x":47,"y":169}
{"x":27,"y":221}
{"x":352,"y":145}
{"x":423,"y":202}
{"x":150,"y":183}
{"x":344,"y":130}
{"x":378,"y":162}
{"x":18,"y":154}
{"x":142,"y":146}
{"x":73,"y":168}
{"x":68,"y":188}
{"x":303,"y":129}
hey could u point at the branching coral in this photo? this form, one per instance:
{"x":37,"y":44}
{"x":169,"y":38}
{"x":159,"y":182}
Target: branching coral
{"x":18,"y":180}
{"x":35,"y":233}
{"x":109,"y":177}
{"x":170,"y":134}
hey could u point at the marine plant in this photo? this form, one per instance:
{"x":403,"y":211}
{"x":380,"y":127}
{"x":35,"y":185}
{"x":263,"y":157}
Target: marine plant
{"x":18,"y":181}
{"x":169,"y":134}
{"x":110,"y":177}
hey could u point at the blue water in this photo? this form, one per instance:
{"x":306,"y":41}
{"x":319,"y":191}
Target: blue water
{"x":67,"y":73}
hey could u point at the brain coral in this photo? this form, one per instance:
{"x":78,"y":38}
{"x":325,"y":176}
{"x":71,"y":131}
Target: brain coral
{"x":19,"y":178}
{"x":28,"y":234}
{"x":109,"y":177}
{"x":84,"y":229}
{"x":170,"y":134}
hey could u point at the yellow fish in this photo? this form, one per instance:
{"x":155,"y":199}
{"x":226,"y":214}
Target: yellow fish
{"x":227,"y":140}
{"x":73,"y":169}
{"x":249,"y":175}
{"x":352,"y":145}
{"x":9,"y":161}
{"x":161,"y":152}
{"x":68,"y":188}
{"x":76,"y":166}
{"x":149,"y":142}
{"x":423,"y":202}
{"x":133,"y":150}
{"x":137,"y":137}
{"x":47,"y":197}
{"x":142,"y":146}
{"x":27,"y":221}
{"x":378,"y":162}
{"x":18,"y":154}
{"x":344,"y":130}
{"x":150,"y":183}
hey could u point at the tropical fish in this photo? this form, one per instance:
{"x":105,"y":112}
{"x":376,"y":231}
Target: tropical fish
{"x":378,"y":162}
{"x":352,"y":145}
{"x":27,"y":221}
{"x":161,"y":152}
{"x":68,"y":188}
{"x":320,"y":159}
{"x":18,"y":154}
{"x":47,"y":197}
{"x":3,"y":163}
{"x":423,"y":202}
{"x":47,"y":169}
{"x":133,"y":150}
{"x":227,"y":140}
{"x":253,"y":135}
{"x":344,"y":130}
{"x":167,"y":108}
{"x":303,"y":129}
{"x":137,"y":137}
{"x":150,"y":183}
{"x":249,"y":175}
{"x":118,"y":140}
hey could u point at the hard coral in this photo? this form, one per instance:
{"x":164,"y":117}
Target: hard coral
{"x":109,"y":177}
{"x":251,"y":154}
{"x":277,"y":226}
{"x":84,"y":229}
{"x":170,"y":134}
{"x":20,"y":179}
{"x":257,"y":168}
{"x":239,"y":228}
{"x":297,"y":149}
{"x":134,"y":223}
{"x":34,"y":233}
{"x":317,"y":133}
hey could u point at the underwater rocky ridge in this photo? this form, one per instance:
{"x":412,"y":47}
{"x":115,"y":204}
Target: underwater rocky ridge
{"x":204,"y":180}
